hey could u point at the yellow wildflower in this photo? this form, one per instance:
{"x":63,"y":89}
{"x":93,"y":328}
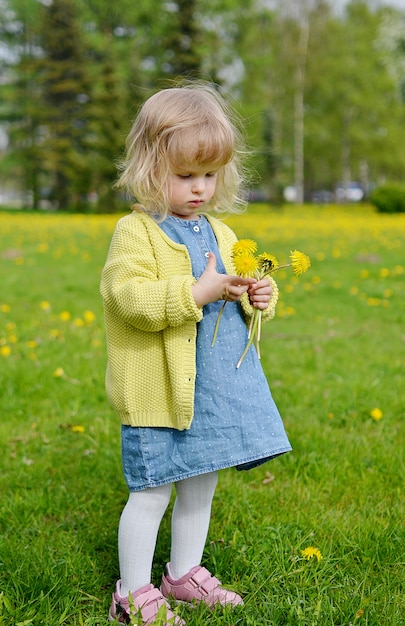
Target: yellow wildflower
{"x":5,"y":350}
{"x":248,"y":265}
{"x":376,"y":414}
{"x":59,"y":372}
{"x":89,"y":316}
{"x":310,"y":552}
{"x":5,"y":308}
{"x":45,"y":306}
{"x":244,"y":246}
{"x":300,"y":262}
{"x":77,"y":429}
{"x":245,"y":264}
{"x":64,"y":316}
{"x":267,"y":262}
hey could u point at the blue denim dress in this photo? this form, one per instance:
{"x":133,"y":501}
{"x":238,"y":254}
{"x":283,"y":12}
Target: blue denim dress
{"x":236,"y":422}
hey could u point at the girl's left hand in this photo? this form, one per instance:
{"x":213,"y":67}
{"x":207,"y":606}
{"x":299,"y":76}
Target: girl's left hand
{"x":260,"y":293}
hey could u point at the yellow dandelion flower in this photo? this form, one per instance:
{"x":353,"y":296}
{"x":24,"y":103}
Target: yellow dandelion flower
{"x":89,"y":316}
{"x":5,"y":308}
{"x":64,"y":316}
{"x":267,"y":263}
{"x":245,"y":265}
{"x":376,"y":414}
{"x":244,"y":246}
{"x":45,"y":306}
{"x":78,"y":322}
{"x":300,"y":262}
{"x":373,"y":301}
{"x":310,"y":552}
{"x":77,"y":429}
{"x":59,"y":372}
{"x":289,"y":310}
{"x":5,"y":350}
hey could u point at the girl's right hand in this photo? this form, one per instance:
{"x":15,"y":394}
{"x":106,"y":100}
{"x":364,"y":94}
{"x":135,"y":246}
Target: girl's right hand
{"x":212,"y":286}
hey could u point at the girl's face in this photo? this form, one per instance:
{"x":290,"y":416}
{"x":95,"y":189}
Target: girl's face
{"x":190,"y":188}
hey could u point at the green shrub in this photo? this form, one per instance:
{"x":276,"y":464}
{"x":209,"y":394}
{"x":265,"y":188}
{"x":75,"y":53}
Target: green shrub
{"x":389,"y":198}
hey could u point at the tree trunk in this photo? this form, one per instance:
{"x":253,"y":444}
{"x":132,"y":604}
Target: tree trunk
{"x":299,"y":112}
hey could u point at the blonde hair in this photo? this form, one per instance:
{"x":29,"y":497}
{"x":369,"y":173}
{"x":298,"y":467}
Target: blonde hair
{"x":175,"y":127}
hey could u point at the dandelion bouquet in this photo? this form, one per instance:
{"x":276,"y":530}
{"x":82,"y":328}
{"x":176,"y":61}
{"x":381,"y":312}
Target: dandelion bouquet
{"x":247,"y":264}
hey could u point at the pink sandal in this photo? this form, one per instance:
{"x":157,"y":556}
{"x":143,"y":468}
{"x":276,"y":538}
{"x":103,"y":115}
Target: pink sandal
{"x":198,"y":586}
{"x":147,"y":602}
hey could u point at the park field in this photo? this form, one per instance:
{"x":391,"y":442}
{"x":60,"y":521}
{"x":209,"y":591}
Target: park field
{"x":314,"y":538}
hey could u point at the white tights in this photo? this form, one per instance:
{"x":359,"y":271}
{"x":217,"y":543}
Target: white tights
{"x":140,"y":521}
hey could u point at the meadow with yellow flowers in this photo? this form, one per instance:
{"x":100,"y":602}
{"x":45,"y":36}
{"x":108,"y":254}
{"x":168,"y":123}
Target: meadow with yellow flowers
{"x":314,"y":538}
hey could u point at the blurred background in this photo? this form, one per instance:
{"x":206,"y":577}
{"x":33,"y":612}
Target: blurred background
{"x":319,"y":84}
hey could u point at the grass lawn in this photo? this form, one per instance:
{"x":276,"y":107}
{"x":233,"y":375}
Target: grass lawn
{"x":334,"y":357}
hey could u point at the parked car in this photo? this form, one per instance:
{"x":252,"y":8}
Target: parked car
{"x":353,"y":192}
{"x":322,"y":196}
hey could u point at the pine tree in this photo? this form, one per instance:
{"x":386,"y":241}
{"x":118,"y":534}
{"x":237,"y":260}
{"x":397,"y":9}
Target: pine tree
{"x":62,"y":75}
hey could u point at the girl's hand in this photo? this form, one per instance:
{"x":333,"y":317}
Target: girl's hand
{"x":260,"y":293}
{"x":212,"y":286}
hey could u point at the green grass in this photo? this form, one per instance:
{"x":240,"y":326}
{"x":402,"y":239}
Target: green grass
{"x":333,"y":354}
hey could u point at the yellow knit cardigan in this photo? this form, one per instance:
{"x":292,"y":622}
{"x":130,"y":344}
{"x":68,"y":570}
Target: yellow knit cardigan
{"x":151,"y":322}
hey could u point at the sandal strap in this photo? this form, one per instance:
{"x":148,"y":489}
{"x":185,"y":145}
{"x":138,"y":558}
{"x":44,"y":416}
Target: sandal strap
{"x":147,"y":602}
{"x":204,"y":582}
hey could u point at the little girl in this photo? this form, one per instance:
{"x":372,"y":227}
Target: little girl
{"x":186,"y":410}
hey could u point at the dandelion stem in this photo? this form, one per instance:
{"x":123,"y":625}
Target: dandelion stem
{"x":255,"y":321}
{"x":275,"y":269}
{"x":217,"y":324}
{"x":250,"y":327}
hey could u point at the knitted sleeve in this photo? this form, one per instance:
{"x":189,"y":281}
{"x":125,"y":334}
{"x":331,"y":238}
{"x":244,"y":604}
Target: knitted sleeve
{"x":270,"y":311}
{"x":132,"y":288}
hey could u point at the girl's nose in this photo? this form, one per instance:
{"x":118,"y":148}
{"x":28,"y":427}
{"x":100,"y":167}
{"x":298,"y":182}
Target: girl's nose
{"x":198,"y":185}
